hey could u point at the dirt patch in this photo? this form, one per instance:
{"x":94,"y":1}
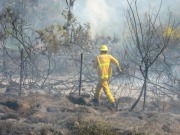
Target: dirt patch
{"x":174,"y":107}
{"x":38,"y":114}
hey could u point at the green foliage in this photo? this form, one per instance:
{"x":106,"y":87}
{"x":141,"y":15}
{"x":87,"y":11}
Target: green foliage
{"x":14,"y":30}
{"x":68,"y":34}
{"x":172,"y":33}
{"x":53,"y":37}
{"x":6,"y":19}
{"x":13,"y":27}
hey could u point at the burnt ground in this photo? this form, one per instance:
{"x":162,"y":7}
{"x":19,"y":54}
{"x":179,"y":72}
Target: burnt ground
{"x":58,"y":114}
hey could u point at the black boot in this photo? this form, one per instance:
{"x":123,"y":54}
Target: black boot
{"x":114,"y":106}
{"x":95,"y":101}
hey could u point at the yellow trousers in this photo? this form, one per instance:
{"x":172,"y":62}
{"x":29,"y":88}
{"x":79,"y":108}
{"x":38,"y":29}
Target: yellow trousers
{"x":103,"y":85}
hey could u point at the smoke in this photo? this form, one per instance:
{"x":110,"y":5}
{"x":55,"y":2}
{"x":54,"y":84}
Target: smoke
{"x":97,"y":12}
{"x":108,"y":17}
{"x":103,"y":16}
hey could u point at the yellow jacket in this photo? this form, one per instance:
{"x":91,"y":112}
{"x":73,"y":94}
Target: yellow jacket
{"x":103,"y":63}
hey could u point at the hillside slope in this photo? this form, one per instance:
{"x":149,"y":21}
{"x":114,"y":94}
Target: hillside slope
{"x":47,"y":114}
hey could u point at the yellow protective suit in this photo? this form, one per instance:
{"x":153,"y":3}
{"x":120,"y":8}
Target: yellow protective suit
{"x":103,"y":64}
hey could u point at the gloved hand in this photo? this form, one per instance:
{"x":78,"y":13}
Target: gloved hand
{"x":92,"y":62}
{"x":119,"y":70}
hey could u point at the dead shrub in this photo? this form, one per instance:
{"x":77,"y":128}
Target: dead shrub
{"x":97,"y":126}
{"x":28,"y":106}
{"x":6,"y":128}
{"x":50,"y":131}
{"x":92,"y":128}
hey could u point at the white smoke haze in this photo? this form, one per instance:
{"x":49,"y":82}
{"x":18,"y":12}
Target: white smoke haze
{"x":98,"y":15}
{"x":101,"y":15}
{"x":108,"y":16}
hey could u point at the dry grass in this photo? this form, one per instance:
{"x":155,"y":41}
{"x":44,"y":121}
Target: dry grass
{"x":66,"y":118}
{"x":50,"y":131}
{"x":28,"y":106}
{"x":96,"y":125}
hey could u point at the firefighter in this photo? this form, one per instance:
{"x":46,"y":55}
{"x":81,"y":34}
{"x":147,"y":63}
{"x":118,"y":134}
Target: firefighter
{"x":103,"y":64}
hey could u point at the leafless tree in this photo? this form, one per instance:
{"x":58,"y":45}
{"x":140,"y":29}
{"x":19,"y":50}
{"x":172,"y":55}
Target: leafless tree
{"x":13,"y":28}
{"x":146,"y":42}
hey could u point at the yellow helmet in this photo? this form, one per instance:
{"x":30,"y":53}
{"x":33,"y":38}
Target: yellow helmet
{"x":104,"y":48}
